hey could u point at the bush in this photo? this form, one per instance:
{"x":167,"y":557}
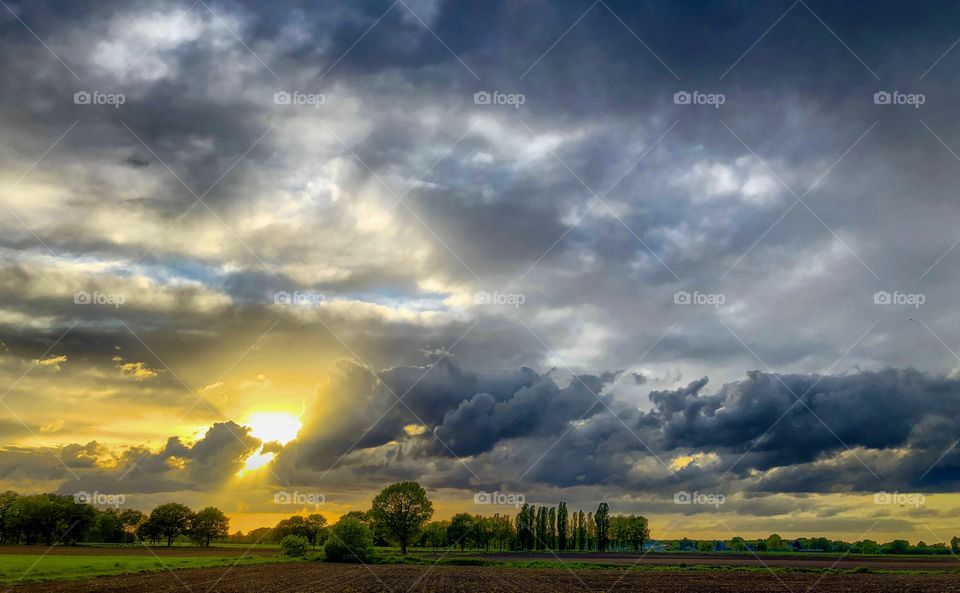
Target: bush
{"x":294,"y":545}
{"x":350,"y":541}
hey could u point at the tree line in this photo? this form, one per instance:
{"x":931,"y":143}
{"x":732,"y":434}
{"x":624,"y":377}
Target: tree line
{"x":399,"y":515}
{"x":60,"y":519}
{"x":776,"y":543}
{"x":540,"y":529}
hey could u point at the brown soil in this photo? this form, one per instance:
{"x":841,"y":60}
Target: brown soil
{"x":313,"y":577}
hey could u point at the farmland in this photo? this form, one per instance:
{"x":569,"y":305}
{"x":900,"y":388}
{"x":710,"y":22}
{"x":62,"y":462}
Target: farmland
{"x":235,"y":569}
{"x":310,"y":577}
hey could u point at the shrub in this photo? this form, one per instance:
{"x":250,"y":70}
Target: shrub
{"x":350,"y":541}
{"x":294,"y":545}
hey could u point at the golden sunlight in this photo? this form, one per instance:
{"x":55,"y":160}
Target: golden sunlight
{"x":273,"y":426}
{"x":256,"y":461}
{"x":269,"y":427}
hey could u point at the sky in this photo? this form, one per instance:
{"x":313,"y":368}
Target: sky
{"x":695,"y":260}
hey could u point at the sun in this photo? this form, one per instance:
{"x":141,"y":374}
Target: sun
{"x":269,"y":427}
{"x":274,"y":426}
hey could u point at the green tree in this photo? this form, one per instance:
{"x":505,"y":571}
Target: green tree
{"x":541,"y":528}
{"x":897,"y":546}
{"x":107,"y":527}
{"x":362,"y":516}
{"x":821,"y":543}
{"x":636,"y":532}
{"x":149,"y":531}
{"x":602,"y":521}
{"x":503,"y":532}
{"x":293,"y":525}
{"x":130,"y":519}
{"x":350,"y":541}
{"x":209,"y":524}
{"x":402,"y":509}
{"x":774,"y":543}
{"x":526,"y":535}
{"x":435,"y":534}
{"x":552,"y":528}
{"x":562,"y":520}
{"x":316,"y":529}
{"x":7,"y":518}
{"x":591,"y":530}
{"x":170,"y":520}
{"x":581,"y":531}
{"x":460,"y":529}
{"x":294,"y":546}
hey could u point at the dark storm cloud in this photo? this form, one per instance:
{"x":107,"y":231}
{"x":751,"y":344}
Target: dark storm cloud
{"x":892,"y":430}
{"x":775,"y":433}
{"x":820,"y":414}
{"x":470,"y":412}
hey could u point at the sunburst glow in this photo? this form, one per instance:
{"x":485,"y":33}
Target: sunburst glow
{"x":269,"y":427}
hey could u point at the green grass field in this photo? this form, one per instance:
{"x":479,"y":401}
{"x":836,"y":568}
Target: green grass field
{"x":32,"y":567}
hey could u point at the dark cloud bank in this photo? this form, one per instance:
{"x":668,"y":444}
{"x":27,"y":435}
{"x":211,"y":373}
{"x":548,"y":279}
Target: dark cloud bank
{"x":861,"y":432}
